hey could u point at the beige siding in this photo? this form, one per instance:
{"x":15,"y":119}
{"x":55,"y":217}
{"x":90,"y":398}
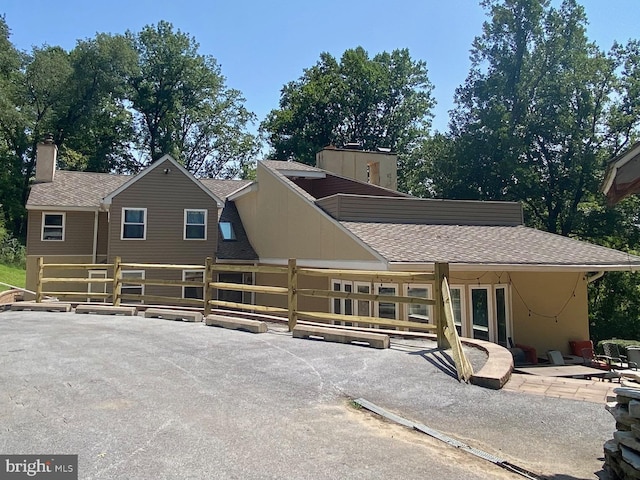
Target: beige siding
{"x":78,"y":235}
{"x":165,"y":196}
{"x":310,"y":304}
{"x":418,"y":210}
{"x":282,"y":224}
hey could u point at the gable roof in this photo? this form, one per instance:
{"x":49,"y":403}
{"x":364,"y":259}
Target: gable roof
{"x":157,"y":164}
{"x":224,"y":188}
{"x":487,"y":247}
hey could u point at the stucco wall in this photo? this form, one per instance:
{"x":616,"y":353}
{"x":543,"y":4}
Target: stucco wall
{"x":282,"y":224}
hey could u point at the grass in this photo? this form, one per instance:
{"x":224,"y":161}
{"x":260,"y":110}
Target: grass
{"x":12,"y":275}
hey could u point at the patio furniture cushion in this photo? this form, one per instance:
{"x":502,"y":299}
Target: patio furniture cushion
{"x":578,"y":345}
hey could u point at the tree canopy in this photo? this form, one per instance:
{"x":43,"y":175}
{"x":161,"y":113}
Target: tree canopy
{"x":384,"y":101}
{"x":116,"y":103}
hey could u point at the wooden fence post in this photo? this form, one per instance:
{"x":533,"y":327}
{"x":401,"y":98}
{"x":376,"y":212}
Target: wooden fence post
{"x":208,"y":278}
{"x":292,"y":281}
{"x":39,"y":279}
{"x":117,"y":281}
{"x":441,"y":270}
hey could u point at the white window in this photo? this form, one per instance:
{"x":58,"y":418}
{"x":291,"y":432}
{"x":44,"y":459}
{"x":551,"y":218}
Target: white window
{"x":195,"y":224}
{"x":53,"y":227}
{"x":503,"y":317}
{"x":342,"y":306}
{"x":482,"y":324}
{"x":132,"y":288}
{"x":97,"y":287}
{"x":195,"y":291}
{"x":363,"y":307}
{"x":385,"y":309}
{"x":134,"y":224}
{"x":417,"y":312}
{"x":458,"y":305}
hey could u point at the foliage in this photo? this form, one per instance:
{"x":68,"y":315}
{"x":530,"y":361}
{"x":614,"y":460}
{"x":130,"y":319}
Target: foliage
{"x":184,"y":108}
{"x":115,"y":103}
{"x":540,"y":112}
{"x":12,"y":275}
{"x":384,"y":101}
{"x":12,"y":252}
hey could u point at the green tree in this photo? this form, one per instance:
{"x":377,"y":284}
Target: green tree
{"x":184,"y":108}
{"x":384,"y":101}
{"x":540,"y":111}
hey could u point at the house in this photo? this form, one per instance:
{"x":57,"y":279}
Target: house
{"x":623,"y":175}
{"x":507,"y":280}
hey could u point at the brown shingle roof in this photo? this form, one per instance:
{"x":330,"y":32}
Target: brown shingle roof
{"x":87,"y":189}
{"x":517,"y":245}
{"x":75,"y":189}
{"x":281,"y":165}
{"x":223,"y":188}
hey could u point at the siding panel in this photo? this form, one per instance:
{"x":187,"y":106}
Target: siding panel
{"x":358,"y":208}
{"x":165,"y":196}
{"x":78,"y":235}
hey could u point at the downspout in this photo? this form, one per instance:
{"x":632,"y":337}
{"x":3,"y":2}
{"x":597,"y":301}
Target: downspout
{"x":95,"y":237}
{"x":594,"y":277}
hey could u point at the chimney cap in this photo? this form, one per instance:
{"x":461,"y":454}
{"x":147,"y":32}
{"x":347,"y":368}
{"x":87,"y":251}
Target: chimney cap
{"x":353,"y":146}
{"x":48,"y":139}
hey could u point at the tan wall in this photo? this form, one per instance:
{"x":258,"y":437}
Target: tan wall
{"x":355,"y":164}
{"x":165,"y":196}
{"x":314,"y":304}
{"x":78,"y":235}
{"x":282,"y":224}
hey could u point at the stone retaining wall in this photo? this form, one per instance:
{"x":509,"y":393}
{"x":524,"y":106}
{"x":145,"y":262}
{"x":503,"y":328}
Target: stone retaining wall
{"x":622,"y":453}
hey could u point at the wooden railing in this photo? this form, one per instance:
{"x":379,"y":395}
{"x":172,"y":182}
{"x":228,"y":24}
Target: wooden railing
{"x":291,"y":291}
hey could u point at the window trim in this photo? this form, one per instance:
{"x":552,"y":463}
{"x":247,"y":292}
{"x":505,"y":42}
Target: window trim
{"x":184,"y":226}
{"x":491,"y":327}
{"x":144,"y":223}
{"x":142,"y":287}
{"x":96,"y":273}
{"x":233,"y":237}
{"x":64,"y":223}
{"x":429,"y":288}
{"x":184,"y":279}
{"x":508,"y":310}
{"x":464,"y":323}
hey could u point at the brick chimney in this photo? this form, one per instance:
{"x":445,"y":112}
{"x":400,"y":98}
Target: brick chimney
{"x":46,"y":156}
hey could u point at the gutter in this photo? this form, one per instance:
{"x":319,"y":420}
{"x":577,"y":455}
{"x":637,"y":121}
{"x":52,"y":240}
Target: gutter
{"x":595,"y":277}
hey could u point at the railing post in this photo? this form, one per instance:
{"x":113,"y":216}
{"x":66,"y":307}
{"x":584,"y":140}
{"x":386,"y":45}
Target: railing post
{"x":441,"y":270}
{"x":292,"y":282}
{"x":208,"y":278}
{"x":39,"y":279}
{"x":117,"y":281}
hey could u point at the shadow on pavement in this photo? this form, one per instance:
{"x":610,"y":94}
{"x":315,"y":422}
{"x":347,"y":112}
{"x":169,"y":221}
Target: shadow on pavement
{"x":440,"y":360}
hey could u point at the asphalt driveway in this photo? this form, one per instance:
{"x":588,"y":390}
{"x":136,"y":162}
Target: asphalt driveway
{"x":140,"y":398}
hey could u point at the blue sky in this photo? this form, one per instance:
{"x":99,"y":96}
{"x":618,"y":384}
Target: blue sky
{"x":261,"y":45}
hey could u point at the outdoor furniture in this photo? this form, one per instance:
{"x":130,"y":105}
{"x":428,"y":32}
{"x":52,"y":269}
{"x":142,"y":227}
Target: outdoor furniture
{"x":555,"y":357}
{"x":595,"y":361}
{"x":616,"y":359}
{"x":633,"y":355}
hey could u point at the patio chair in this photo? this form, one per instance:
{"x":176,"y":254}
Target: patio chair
{"x":555,"y":357}
{"x":616,"y":359}
{"x":590,"y":359}
{"x":633,"y":354}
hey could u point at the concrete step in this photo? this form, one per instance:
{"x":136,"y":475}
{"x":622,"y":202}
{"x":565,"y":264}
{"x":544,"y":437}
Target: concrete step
{"x":184,"y":315}
{"x":373,"y":340}
{"x":233,"y":323}
{"x":41,"y":307}
{"x":97,"y":309}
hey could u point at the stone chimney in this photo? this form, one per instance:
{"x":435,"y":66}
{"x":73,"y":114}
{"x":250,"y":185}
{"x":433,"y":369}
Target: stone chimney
{"x":46,"y":156}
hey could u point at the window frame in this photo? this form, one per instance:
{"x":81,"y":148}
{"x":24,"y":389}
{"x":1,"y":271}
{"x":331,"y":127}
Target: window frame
{"x":491,"y":320}
{"x":508,"y":310}
{"x":62,"y":227}
{"x":233,"y":237}
{"x":184,"y":287}
{"x":91,"y":287}
{"x":185,"y":224}
{"x":144,"y":223}
{"x":407,"y":306}
{"x":141,"y":287}
{"x":376,"y":305}
{"x":464,"y":324}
